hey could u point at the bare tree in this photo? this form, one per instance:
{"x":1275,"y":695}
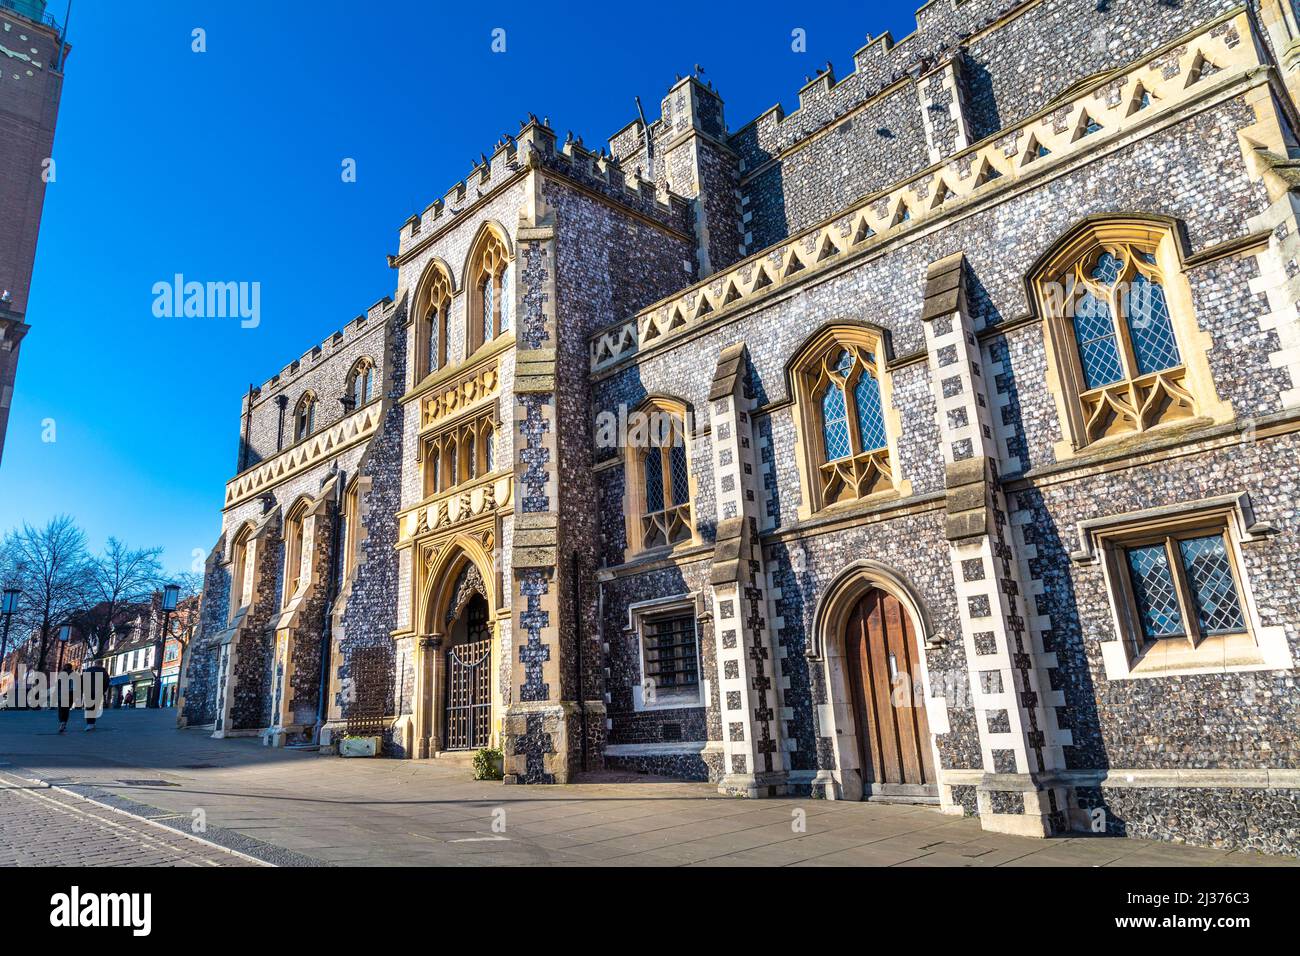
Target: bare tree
{"x":51,"y":569}
{"x":116,"y":580}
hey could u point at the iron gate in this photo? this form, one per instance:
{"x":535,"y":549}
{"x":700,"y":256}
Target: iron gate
{"x":469,"y":685}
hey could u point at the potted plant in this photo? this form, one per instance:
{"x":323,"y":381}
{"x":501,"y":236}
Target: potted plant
{"x":489,"y":763}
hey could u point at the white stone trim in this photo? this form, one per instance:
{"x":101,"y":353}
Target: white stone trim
{"x":1272,"y":650}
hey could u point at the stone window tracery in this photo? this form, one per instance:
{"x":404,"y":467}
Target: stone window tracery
{"x":841,"y":392}
{"x":658,"y":477}
{"x":1126,"y":350}
{"x":492,"y":292}
{"x":459,"y":454}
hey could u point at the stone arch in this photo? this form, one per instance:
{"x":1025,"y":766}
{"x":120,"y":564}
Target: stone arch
{"x":431,"y":318}
{"x":485,"y":230}
{"x":836,"y":715}
{"x":454,"y":572}
{"x":847,"y":588}
{"x":442,"y":575}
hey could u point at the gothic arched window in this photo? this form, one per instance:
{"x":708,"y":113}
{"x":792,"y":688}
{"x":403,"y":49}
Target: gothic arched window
{"x":361,"y":383}
{"x":490,"y":281}
{"x":1120,"y":322}
{"x":294,"y":545}
{"x":839,"y":381}
{"x":433,"y":306}
{"x":241,"y":569}
{"x":658,"y":477}
{"x":304,"y":417}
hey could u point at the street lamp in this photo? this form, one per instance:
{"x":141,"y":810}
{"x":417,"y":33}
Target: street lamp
{"x":65,"y":634}
{"x":171,"y":594}
{"x":8,"y":608}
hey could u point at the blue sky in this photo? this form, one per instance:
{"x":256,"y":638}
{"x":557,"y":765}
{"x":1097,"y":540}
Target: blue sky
{"x":225,"y":166}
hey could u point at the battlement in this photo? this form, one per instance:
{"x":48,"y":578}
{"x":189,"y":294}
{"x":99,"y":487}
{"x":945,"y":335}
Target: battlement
{"x":362,"y":324}
{"x":941,"y":27}
{"x":536,"y":144}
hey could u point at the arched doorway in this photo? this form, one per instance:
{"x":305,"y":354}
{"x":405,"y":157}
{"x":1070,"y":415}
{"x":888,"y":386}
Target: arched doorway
{"x":457,"y":693}
{"x":467,"y":722}
{"x":883,"y":668}
{"x":870,"y":634}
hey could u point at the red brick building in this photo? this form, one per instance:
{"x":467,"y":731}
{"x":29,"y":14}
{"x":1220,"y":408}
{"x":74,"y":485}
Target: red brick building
{"x":31,"y":81}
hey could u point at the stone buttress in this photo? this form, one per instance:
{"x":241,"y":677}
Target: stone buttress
{"x":1019,"y":791}
{"x":542,"y":728}
{"x":241,"y":662}
{"x":755,"y":759}
{"x":295,"y":674}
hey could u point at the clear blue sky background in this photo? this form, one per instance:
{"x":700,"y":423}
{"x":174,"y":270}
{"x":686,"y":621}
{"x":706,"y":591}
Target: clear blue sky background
{"x":225,"y":166}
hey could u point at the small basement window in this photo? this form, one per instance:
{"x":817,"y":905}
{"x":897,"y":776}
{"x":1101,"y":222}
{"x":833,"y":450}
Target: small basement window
{"x":670,"y":661}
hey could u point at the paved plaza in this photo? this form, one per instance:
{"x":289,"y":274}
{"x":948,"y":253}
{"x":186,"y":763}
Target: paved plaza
{"x":117,"y":797}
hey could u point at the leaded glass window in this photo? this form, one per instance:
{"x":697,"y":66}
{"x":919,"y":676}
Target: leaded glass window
{"x":1150,"y":328}
{"x":835,"y":425}
{"x":435,"y":339}
{"x":1184,"y":585}
{"x":1209,"y":572}
{"x":844,"y":399}
{"x":1127,"y":372}
{"x":1153,"y":586}
{"x":506,"y":298}
{"x":489,"y":310}
{"x":677,"y":470}
{"x":1124,"y":282}
{"x":654,"y":479}
{"x":1095,"y":332}
{"x":660,"y":470}
{"x":871,"y":422}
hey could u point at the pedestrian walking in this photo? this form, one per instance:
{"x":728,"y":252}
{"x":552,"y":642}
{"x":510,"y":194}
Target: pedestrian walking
{"x":94,"y":691}
{"x":63,"y":695}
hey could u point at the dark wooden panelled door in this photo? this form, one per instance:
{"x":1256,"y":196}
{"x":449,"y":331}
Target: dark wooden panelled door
{"x":885,"y":680}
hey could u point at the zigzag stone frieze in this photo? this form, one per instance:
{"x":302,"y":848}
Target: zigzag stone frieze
{"x":1103,"y":111}
{"x":357,"y":427}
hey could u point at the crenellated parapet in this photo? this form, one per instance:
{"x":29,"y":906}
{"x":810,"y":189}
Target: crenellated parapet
{"x":941,"y":27}
{"x":339,"y":341}
{"x":1105,"y":114}
{"x":536,"y":145}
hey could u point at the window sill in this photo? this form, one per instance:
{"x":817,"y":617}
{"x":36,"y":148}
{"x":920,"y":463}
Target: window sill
{"x":1223,"y":654}
{"x":662,"y":702}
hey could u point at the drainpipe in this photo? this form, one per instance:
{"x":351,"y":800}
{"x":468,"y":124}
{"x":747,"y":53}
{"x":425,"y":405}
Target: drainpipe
{"x":331,"y":596}
{"x":248,"y":431}
{"x":577,"y":630}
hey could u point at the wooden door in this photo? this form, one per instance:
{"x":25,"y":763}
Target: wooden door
{"x":884,"y":674}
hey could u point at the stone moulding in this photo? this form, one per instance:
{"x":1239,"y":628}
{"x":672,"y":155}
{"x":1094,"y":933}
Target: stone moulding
{"x":466,"y":391}
{"x":1159,"y":83}
{"x":456,"y":507}
{"x":357,"y":427}
{"x":1237,"y":504}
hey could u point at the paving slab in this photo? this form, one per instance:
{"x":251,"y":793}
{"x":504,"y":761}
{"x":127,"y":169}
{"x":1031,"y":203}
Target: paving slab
{"x":301,"y":808}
